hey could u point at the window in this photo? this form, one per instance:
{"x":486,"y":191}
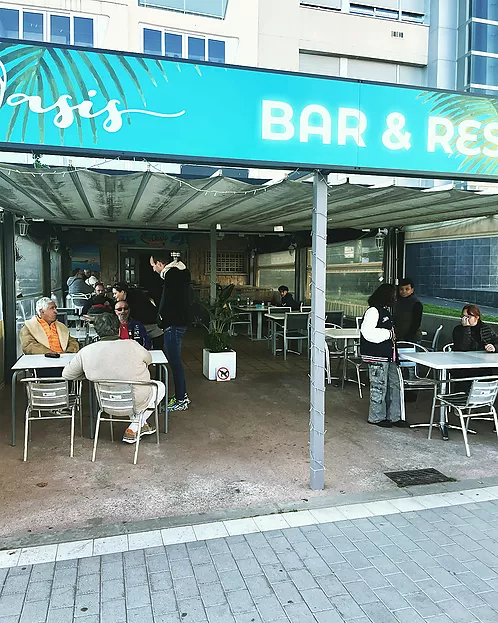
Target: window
{"x":484,"y":70}
{"x":353,"y":271}
{"x":484,"y":37}
{"x":232,"y":262}
{"x":28,"y":267}
{"x":276,"y":269}
{"x":386,"y":13}
{"x":177,"y":45}
{"x":485,"y":9}
{"x":173,"y":45}
{"x":9,"y":23}
{"x":33,"y":26}
{"x":39,"y":26}
{"x":208,"y":8}
{"x":59,"y":29}
{"x":152,"y":41}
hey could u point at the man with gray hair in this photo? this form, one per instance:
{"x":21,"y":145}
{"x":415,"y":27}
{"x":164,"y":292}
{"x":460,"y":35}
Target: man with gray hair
{"x":44,"y":333}
{"x":113,"y":359}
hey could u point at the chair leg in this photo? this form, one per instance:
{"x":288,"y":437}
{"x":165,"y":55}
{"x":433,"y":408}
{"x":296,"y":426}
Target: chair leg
{"x":96,"y":438}
{"x":26,"y":433}
{"x":359,"y":380}
{"x":71,"y":451}
{"x":464,"y":432}
{"x":493,"y":411}
{"x":285,"y":348}
{"x":431,"y":423}
{"x":156,"y":415}
{"x":137,"y":445}
{"x":112,"y":427}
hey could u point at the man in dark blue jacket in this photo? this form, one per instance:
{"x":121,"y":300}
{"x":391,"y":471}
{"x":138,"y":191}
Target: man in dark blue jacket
{"x":130,"y":329}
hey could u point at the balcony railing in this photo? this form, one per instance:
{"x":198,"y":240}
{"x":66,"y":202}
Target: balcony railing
{"x":208,"y":8}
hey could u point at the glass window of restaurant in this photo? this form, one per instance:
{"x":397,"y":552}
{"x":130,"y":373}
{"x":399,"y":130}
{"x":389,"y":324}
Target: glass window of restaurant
{"x":29,"y":279}
{"x":276,"y":269}
{"x":354,"y":271}
{"x":56,"y":277}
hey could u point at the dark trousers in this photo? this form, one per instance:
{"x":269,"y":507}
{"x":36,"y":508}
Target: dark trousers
{"x":173,"y":346}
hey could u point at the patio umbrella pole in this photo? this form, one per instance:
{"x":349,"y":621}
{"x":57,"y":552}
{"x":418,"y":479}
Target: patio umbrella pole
{"x":212,"y":273}
{"x":317,"y":372}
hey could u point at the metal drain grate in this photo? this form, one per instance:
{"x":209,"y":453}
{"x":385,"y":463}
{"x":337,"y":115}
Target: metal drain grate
{"x":418,"y":477}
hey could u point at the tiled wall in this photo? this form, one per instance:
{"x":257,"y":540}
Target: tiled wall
{"x":464,"y":270}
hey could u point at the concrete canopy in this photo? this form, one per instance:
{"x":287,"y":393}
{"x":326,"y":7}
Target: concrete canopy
{"x":85,"y":197}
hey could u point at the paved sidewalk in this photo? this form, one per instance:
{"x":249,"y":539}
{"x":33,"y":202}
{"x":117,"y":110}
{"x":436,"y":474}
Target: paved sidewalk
{"x":438,"y":565}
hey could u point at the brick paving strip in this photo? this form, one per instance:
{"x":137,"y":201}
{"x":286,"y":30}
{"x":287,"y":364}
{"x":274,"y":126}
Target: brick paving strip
{"x":425,"y":558}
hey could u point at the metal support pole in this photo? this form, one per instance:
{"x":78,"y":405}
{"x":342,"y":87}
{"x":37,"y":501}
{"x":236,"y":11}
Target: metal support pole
{"x":212,"y":274}
{"x":8,"y":283}
{"x":317,"y":372}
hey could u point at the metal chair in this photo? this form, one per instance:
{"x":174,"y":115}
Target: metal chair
{"x":357,"y":321}
{"x":117,"y":400}
{"x":416,"y":378}
{"x":295,"y":329}
{"x":333,"y":351}
{"x":240,"y":319}
{"x":305,"y":308}
{"x":432,"y":345}
{"x":273,"y":309}
{"x":335,"y":317}
{"x":447,"y":348}
{"x":51,"y":400}
{"x":482,"y":395}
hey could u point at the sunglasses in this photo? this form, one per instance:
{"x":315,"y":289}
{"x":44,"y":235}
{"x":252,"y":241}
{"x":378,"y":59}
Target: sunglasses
{"x":121,"y":308}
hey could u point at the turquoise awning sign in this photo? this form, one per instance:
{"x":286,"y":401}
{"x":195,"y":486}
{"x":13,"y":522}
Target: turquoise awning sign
{"x":57,"y":99}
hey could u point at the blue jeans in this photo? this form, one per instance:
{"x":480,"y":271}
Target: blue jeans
{"x":173,"y":346}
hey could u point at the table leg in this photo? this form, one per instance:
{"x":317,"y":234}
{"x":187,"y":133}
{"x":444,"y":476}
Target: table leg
{"x":259,"y":333}
{"x":13,"y":415}
{"x":442,"y":410}
{"x":164,"y":368}
{"x":91,"y":404}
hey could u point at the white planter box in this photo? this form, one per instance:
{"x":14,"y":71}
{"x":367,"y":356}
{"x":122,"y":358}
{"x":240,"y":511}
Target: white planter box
{"x":212,"y":362}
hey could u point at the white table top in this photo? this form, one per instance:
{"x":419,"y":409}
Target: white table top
{"x":346,"y":334}
{"x":82,"y":332}
{"x":275,"y":316}
{"x":251,"y":308}
{"x":454,"y":360}
{"x":28,"y":362}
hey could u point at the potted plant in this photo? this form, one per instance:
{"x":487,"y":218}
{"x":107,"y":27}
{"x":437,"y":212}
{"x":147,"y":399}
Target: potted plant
{"x":218,"y":359}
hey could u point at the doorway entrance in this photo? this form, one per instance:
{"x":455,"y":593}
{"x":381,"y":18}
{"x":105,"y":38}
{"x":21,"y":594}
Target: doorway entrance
{"x":135,"y":269}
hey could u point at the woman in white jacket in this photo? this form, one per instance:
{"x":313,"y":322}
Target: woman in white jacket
{"x":378,"y":349}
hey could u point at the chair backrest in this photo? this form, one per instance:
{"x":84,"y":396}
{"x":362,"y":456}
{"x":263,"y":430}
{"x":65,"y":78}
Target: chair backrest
{"x":358,"y":320}
{"x":407,"y":348}
{"x":305,"y":308}
{"x":297,"y":321}
{"x":278,"y":310}
{"x":435,"y":339}
{"x":116,"y":397}
{"x":482,"y":393}
{"x":47,"y":394}
{"x":334,"y":317}
{"x":448,"y":348}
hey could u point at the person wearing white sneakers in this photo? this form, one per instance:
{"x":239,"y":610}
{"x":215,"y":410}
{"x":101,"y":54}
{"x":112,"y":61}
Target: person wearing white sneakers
{"x":113,"y":359}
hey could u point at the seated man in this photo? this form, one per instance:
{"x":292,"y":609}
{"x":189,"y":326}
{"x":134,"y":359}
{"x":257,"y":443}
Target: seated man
{"x":44,"y":334}
{"x":130,"y":329}
{"x":113,"y":359}
{"x":287,"y":299}
{"x":98,"y":299}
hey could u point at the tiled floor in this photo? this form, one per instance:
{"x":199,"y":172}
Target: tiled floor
{"x":437,"y":564}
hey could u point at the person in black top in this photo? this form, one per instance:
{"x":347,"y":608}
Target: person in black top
{"x":470,"y":335}
{"x":407,"y":313}
{"x":174,"y":316}
{"x":142,"y":308}
{"x":287,"y":299}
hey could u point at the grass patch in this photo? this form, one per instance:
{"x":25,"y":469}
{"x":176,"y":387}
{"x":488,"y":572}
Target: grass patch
{"x":453,"y":313}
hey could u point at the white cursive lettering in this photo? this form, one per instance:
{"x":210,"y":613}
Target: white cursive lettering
{"x":66,"y":112}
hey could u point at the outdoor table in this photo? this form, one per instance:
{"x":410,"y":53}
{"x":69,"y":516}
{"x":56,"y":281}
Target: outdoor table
{"x":38,"y":362}
{"x":84,"y":334}
{"x":255,"y":309}
{"x":345,"y":334}
{"x":453,"y":360}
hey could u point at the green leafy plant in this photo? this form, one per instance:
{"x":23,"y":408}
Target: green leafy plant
{"x":217,"y":339}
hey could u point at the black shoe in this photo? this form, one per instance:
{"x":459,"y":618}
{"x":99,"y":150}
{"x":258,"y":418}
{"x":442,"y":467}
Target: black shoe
{"x":383,"y":423}
{"x":401,"y":424}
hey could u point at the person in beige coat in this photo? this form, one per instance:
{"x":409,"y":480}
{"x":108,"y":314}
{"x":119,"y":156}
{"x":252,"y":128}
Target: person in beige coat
{"x":113,"y":359}
{"x":44,"y":334}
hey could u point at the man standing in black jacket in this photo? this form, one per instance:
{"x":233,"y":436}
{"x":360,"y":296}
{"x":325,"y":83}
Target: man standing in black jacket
{"x":173,"y":317}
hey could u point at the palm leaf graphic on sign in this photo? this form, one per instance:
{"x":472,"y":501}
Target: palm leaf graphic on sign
{"x":34,"y":70}
{"x":457,"y":108}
